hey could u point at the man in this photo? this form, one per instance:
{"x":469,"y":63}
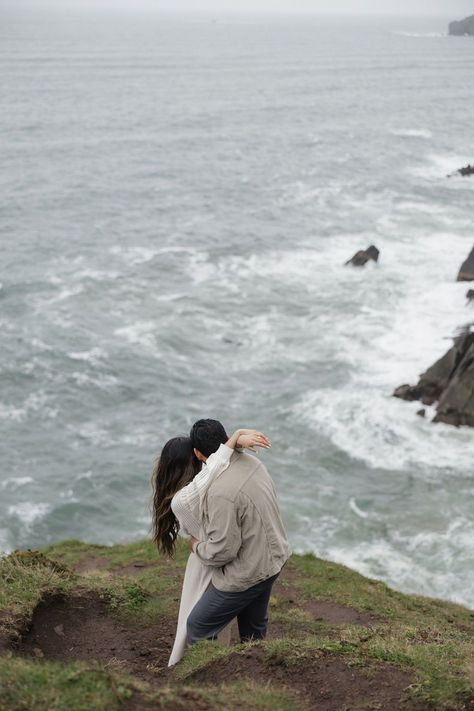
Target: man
{"x":245,"y":544}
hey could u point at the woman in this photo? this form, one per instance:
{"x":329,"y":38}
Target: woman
{"x":179,"y":489}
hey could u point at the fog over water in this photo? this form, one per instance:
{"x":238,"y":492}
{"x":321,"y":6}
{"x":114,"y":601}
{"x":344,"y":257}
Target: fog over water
{"x":350,"y":7}
{"x":179,"y":197}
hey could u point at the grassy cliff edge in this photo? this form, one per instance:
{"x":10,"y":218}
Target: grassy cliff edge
{"x":90,"y":627}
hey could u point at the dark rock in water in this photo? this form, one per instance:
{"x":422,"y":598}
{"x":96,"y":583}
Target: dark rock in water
{"x":462,"y":27}
{"x":470,"y":295}
{"x":450,"y":381}
{"x":363,"y":256}
{"x":466,"y":171}
{"x":421,"y":413}
{"x":434,"y":381}
{"x":408,"y":392}
{"x":466,"y":273}
{"x":431,"y":383}
{"x":456,"y":406}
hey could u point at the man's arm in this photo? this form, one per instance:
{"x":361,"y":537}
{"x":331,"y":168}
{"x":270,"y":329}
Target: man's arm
{"x":224,"y":535}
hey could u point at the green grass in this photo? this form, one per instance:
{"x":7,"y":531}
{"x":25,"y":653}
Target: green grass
{"x":24,"y":579}
{"x":28,"y":685}
{"x":433,"y":640}
{"x":224,"y":697}
{"x":317,"y":578}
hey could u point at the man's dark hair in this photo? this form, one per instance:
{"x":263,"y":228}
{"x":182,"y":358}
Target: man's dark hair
{"x":207,"y":436}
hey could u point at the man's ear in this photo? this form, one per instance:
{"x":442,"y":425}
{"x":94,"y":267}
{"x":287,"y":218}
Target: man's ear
{"x":198,"y":455}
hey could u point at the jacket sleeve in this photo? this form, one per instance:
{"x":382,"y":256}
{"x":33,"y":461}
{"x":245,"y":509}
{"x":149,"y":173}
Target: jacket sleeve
{"x":224,"y":534}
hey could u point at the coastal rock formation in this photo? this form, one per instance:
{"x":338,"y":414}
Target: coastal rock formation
{"x":470,"y":295}
{"x":462,"y":27}
{"x":466,"y":273}
{"x":450,"y":381}
{"x":363,"y":256}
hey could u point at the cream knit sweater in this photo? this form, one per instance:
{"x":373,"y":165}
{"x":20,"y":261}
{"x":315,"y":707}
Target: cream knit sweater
{"x":187,"y":503}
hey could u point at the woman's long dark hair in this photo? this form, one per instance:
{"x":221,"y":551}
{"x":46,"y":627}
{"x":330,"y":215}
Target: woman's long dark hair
{"x":175,"y":468}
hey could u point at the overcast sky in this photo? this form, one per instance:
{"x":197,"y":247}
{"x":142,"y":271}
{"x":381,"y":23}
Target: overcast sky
{"x":449,"y":8}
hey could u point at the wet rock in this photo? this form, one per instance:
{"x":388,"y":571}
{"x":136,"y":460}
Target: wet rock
{"x":466,"y":273}
{"x":363,"y":256}
{"x":466,"y":171}
{"x":432,"y":383}
{"x":408,"y":392}
{"x":462,"y":27}
{"x":470,"y":295}
{"x":456,"y":405}
{"x":450,"y":382}
{"x":421,"y":413}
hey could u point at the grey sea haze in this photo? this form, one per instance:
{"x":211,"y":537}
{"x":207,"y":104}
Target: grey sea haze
{"x":179,"y":196}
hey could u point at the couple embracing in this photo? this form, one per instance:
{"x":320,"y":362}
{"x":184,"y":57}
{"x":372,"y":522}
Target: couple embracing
{"x":222,"y":498}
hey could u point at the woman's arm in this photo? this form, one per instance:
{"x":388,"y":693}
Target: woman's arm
{"x":185,"y":501}
{"x":245,"y":439}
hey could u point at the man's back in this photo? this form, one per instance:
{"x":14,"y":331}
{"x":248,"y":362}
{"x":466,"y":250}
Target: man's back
{"x":246,"y":538}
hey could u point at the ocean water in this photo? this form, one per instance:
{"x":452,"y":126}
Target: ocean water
{"x":178,"y":198}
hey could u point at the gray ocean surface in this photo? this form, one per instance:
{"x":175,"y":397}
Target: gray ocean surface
{"x":178,"y":197}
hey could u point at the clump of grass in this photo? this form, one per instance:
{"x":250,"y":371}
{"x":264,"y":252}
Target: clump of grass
{"x":27,"y":685}
{"x":24,"y":579}
{"x":240,"y":695}
{"x":201,"y":655}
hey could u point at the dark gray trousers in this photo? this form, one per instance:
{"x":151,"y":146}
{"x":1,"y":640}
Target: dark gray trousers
{"x":216,"y":609}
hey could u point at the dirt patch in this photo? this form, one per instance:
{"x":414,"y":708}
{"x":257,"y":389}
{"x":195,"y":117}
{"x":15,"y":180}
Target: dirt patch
{"x":8,"y":631}
{"x":326,"y":683}
{"x":91,"y":563}
{"x":134,"y":568}
{"x":83,"y":627}
{"x":5,"y":639}
{"x":323,"y":610}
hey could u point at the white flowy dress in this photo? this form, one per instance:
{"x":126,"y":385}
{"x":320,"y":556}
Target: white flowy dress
{"x":187,"y":506}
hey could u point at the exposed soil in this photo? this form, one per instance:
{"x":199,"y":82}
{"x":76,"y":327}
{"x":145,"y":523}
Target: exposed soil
{"x":323,"y":610}
{"x":8,"y":631}
{"x":135,"y":567}
{"x":91,"y":563}
{"x":323,"y":684}
{"x":5,"y":642}
{"x":83,"y":627}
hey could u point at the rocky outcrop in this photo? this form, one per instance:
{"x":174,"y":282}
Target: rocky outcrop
{"x":462,"y":27}
{"x":470,"y":295}
{"x":465,"y":171}
{"x":466,"y":273}
{"x":363,"y":256}
{"x":450,"y":382}
{"x":456,"y":405}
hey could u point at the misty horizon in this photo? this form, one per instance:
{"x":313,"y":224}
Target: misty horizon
{"x":335,"y":8}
